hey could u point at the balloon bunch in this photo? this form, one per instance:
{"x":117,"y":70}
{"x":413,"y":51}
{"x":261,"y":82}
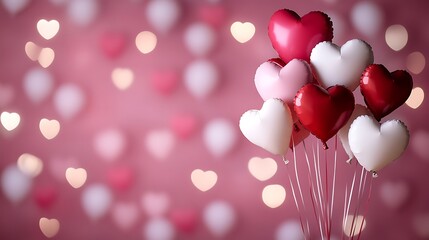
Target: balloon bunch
{"x":309,"y":89}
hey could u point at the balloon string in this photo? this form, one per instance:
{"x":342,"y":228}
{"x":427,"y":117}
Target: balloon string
{"x":344,"y":210}
{"x":318,"y":182}
{"x":296,"y":204}
{"x":333,"y":183}
{"x":295,"y":195}
{"x":350,"y":198}
{"x":326,"y":203}
{"x":312,"y":190}
{"x":366,"y":207}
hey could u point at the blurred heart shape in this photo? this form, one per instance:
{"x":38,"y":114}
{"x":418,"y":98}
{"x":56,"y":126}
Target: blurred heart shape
{"x":49,"y":128}
{"x":46,"y":57}
{"x":159,"y":143}
{"x":183,"y":125}
{"x":38,"y":84}
{"x":15,"y":184}
{"x":376,"y":145}
{"x":146,"y":42}
{"x":383,"y":91}
{"x":30,"y":164}
{"x":7,"y":94}
{"x":120,"y":178}
{"x":394,"y":194}
{"x":354,"y":225}
{"x":324,"y":112}
{"x":200,"y":39}
{"x":269,"y":128}
{"x":262,"y":168}
{"x":275,"y":81}
{"x":122,"y":78}
{"x":242,"y":31}
{"x":289,"y":230}
{"x":32,"y":50}
{"x":203,"y":180}
{"x":220,"y":137}
{"x":163,"y":15}
{"x":159,"y":228}
{"x":184,"y":220}
{"x":48,"y":29}
{"x":49,"y":227}
{"x":273,"y":195}
{"x":15,"y":6}
{"x":165,"y":81}
{"x":45,"y":196}
{"x":113,"y":44}
{"x":96,"y":200}
{"x":76,"y":177}
{"x":212,"y":14}
{"x":219,"y":217}
{"x":295,"y":37}
{"x":155,"y":204}
{"x":201,"y":77}
{"x":82,"y":12}
{"x":421,"y":225}
{"x":125,"y":215}
{"x":10,"y":121}
{"x":69,"y":100}
{"x":334,"y":65}
{"x":110,"y":144}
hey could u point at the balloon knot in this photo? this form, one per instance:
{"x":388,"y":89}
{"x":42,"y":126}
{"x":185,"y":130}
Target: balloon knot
{"x":325,"y":146}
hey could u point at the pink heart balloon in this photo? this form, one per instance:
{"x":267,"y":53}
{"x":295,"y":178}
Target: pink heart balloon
{"x":164,"y":82}
{"x":274,"y":81}
{"x":120,"y":178}
{"x":295,"y":37}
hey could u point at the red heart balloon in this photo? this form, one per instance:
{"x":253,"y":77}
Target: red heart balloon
{"x":384,"y":91}
{"x":295,"y":37}
{"x":324,"y":112}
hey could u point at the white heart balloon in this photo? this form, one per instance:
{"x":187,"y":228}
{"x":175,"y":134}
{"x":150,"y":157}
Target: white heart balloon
{"x":343,"y":133}
{"x":270,"y":127}
{"x":163,"y":14}
{"x":375,"y":145}
{"x":289,"y":230}
{"x":96,"y":200}
{"x":69,"y":100}
{"x":15,"y":6}
{"x":200,"y":39}
{"x":341,"y":66}
{"x":82,"y":12}
{"x":219,"y":217}
{"x":38,"y":84}
{"x":110,"y":144}
{"x":15,"y":184}
{"x":201,"y":78}
{"x":220,"y":137}
{"x":159,"y":229}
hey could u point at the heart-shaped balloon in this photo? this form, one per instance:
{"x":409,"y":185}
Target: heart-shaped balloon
{"x":270,"y":127}
{"x":383,"y":91}
{"x":274,"y":81}
{"x":341,"y":66}
{"x":343,"y":134}
{"x":295,"y":37}
{"x":324,"y":112}
{"x":299,"y":133}
{"x":375,"y":145}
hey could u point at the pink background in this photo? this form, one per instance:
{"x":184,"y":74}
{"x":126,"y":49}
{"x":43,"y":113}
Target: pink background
{"x":141,"y":108}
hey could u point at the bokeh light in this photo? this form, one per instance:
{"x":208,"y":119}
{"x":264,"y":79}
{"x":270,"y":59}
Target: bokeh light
{"x":396,"y":37}
{"x":416,"y":62}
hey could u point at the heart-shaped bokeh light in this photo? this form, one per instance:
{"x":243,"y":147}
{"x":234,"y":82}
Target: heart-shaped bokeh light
{"x":243,"y":32}
{"x":203,"y":180}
